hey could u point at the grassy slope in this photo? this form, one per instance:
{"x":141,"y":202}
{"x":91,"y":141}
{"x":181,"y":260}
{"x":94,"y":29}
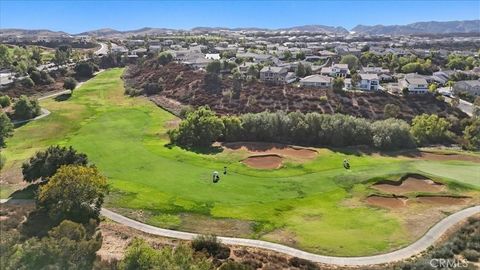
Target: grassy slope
{"x":126,"y":139}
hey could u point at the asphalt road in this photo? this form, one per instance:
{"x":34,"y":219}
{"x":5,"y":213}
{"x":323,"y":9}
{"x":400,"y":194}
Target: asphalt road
{"x":463,"y":105}
{"x":415,"y":248}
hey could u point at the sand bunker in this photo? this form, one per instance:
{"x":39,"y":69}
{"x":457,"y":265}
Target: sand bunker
{"x":409,"y":183}
{"x":264,"y":161}
{"x":387,"y":202}
{"x":260,"y":148}
{"x":442,"y":200}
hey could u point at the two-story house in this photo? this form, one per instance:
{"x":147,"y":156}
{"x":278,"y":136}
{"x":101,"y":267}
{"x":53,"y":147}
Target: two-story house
{"x":369,"y":82}
{"x":336,"y":70}
{"x":414,"y":84}
{"x":274,"y":75}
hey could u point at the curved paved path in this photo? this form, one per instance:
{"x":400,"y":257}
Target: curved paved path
{"x":420,"y":245}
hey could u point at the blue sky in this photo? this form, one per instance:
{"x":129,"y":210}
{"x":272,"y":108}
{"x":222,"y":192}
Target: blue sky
{"x":78,"y":16}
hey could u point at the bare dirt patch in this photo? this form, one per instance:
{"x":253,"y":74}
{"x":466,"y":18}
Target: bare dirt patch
{"x":408,"y":184}
{"x":387,"y":202}
{"x":282,"y":236}
{"x":270,"y":161}
{"x":262,"y":148}
{"x":443,"y":200}
{"x":223,"y":226}
{"x":172,"y":124}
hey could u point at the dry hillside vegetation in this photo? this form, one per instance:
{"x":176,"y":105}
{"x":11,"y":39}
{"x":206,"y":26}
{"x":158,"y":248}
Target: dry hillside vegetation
{"x":187,"y":86}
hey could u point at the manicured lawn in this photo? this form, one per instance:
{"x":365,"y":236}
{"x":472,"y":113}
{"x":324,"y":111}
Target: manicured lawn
{"x":125,"y":137}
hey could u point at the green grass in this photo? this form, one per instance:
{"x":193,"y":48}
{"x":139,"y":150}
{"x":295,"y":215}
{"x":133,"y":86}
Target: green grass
{"x":125,"y":137}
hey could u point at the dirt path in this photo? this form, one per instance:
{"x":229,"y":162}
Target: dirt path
{"x":428,"y":239}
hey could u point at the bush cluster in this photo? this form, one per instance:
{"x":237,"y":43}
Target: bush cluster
{"x":202,"y":127}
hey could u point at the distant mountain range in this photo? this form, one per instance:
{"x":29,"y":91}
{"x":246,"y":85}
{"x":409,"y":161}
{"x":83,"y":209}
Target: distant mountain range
{"x":472,"y":26}
{"x":469,"y":26}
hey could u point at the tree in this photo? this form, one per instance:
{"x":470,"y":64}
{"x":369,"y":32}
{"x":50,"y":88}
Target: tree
{"x":338,"y":84}
{"x":392,"y":134}
{"x":84,"y":69}
{"x":68,"y":246}
{"x":237,"y":84}
{"x":141,"y":256}
{"x":233,"y":128}
{"x":26,"y":108}
{"x":351,"y":60}
{"x":356,"y":79}
{"x":75,"y":193}
{"x":5,"y":101}
{"x":214,"y":67}
{"x":37,"y":55}
{"x":471,"y":135}
{"x":45,"y":164}
{"x":5,"y":57}
{"x":152,"y":88}
{"x":287,"y":55}
{"x":164,"y":58}
{"x":391,"y":111}
{"x":300,"y":56}
{"x":430,"y":129}
{"x":28,"y":82}
{"x":6,"y":128}
{"x":432,"y":88}
{"x":200,"y":128}
{"x":300,"y":71}
{"x":61,"y":57}
{"x":69,"y":83}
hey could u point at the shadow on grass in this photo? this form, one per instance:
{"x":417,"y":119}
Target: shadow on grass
{"x":360,"y":150}
{"x":208,"y":150}
{"x":27,"y":193}
{"x":62,"y":97}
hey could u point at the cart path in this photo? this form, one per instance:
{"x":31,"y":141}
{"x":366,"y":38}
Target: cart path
{"x":428,"y":239}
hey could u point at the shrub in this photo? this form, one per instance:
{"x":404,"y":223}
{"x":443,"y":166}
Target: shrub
{"x":179,"y":78}
{"x":141,"y":256}
{"x":70,"y":83}
{"x":323,"y":99}
{"x":164,"y":58}
{"x":152,"y":88}
{"x":36,"y":77}
{"x":6,"y":128}
{"x":28,"y":82}
{"x":471,"y":255}
{"x":84,"y":69}
{"x":5,"y":101}
{"x":26,"y":108}
{"x":211,"y":245}
{"x":45,"y":164}
{"x":391,"y":111}
{"x":392,"y":134}
{"x":430,"y":129}
{"x":200,"y":128}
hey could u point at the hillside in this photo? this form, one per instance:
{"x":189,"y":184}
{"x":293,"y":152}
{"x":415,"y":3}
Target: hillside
{"x":258,"y":97}
{"x":432,"y":27}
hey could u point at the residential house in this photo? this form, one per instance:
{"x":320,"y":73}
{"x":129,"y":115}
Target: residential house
{"x":414,"y":84}
{"x":274,"y":75}
{"x":316,"y":81}
{"x":471,"y":87}
{"x":337,"y":70}
{"x":369,"y":82}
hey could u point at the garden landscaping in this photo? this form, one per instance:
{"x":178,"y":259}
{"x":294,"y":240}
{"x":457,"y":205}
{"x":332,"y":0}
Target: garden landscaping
{"x":308,"y":200}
